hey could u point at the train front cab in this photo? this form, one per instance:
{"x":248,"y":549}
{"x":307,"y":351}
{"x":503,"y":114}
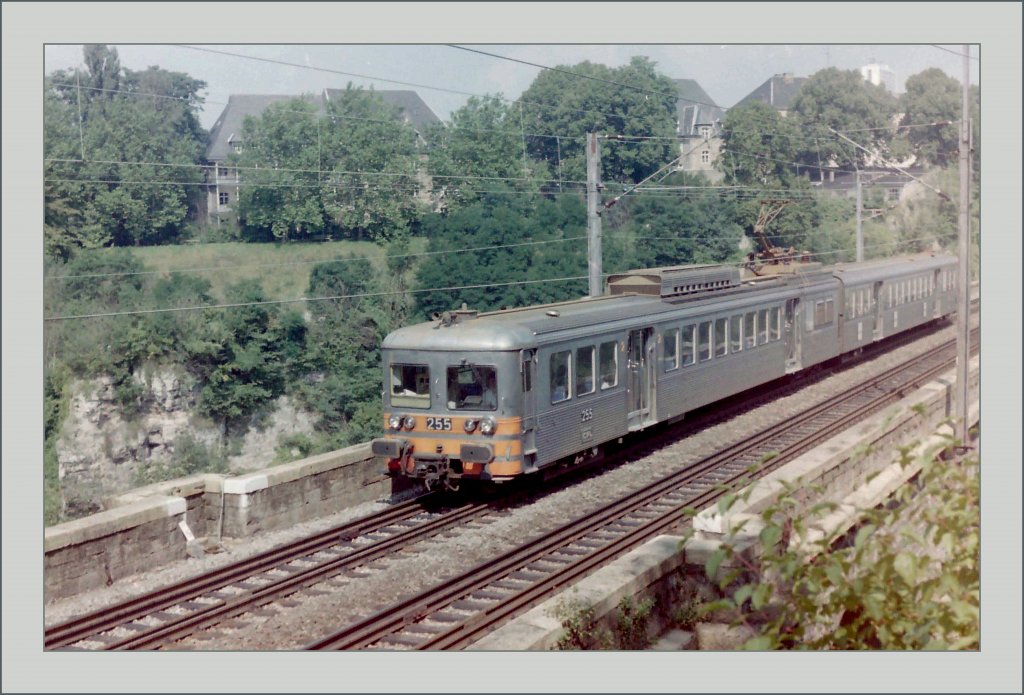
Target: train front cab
{"x":450,"y":416}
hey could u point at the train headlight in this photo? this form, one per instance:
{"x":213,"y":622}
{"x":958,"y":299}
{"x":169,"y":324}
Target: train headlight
{"x":409,"y":422}
{"x":395,"y":422}
{"x":487,"y":426}
{"x":469,"y":426}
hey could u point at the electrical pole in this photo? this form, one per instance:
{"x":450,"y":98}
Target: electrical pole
{"x":860,"y":220}
{"x":962,"y":317}
{"x":593,"y":216}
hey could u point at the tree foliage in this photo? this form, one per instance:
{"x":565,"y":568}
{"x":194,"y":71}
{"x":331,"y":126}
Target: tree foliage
{"x":932,"y":96}
{"x":759,"y":147}
{"x":121,"y":150}
{"x":483,"y":144}
{"x":908,"y":578}
{"x":350,"y":170}
{"x":509,"y":269}
{"x":559,"y":109}
{"x":841,"y":100}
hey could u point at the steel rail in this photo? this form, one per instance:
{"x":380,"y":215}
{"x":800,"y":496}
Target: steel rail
{"x":110,"y":617}
{"x":393,"y":619}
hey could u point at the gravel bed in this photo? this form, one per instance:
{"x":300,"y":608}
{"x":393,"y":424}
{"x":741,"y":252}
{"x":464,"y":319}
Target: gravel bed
{"x":303,"y":617}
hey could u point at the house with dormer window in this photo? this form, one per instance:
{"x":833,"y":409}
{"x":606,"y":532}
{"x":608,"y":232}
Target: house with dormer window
{"x":223,"y":180}
{"x":698,"y":125}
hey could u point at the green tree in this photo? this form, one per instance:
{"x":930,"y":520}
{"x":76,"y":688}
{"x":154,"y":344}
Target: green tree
{"x":655,"y":230}
{"x":283,"y":173}
{"x":375,"y":166}
{"x":841,"y":100}
{"x":932,"y":96}
{"x":483,"y":144}
{"x":759,"y":147}
{"x":343,"y":353}
{"x":122,"y":152}
{"x":240,"y":363}
{"x":559,"y":109}
{"x":351,"y":170}
{"x":509,"y":269}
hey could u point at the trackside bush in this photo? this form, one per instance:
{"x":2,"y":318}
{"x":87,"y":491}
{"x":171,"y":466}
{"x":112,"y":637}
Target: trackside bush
{"x":906,"y":578}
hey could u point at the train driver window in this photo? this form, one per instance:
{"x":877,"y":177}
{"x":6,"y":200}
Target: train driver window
{"x":704,"y":333}
{"x":561,"y":368}
{"x":762,"y":326}
{"x":584,"y":371}
{"x":775,"y":323}
{"x":721,"y":337}
{"x":609,"y":364}
{"x":410,"y":386}
{"x":472,"y":387}
{"x":671,"y":343}
{"x":688,"y":344}
{"x":736,"y":333}
{"x":749,"y":328}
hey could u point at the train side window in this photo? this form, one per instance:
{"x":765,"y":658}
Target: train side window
{"x":688,"y":344}
{"x":609,"y":363}
{"x":762,"y":326}
{"x":830,"y":310}
{"x":585,"y":371}
{"x":775,"y":323}
{"x":749,"y":329}
{"x":704,"y":335}
{"x":721,"y":337}
{"x":561,"y":376}
{"x":671,"y":340}
{"x":736,"y":333}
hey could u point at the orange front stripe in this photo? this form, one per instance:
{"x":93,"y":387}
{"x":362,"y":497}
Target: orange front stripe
{"x":505,"y":426}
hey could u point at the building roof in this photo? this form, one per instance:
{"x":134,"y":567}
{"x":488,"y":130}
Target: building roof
{"x":414,"y":110}
{"x":695,"y":108}
{"x":778,"y":92}
{"x":229,"y":125}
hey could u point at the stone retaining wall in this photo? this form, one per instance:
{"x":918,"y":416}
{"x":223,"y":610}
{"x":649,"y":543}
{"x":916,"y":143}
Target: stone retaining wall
{"x":152,"y":526}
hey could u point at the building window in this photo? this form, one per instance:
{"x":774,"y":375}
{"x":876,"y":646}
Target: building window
{"x":223,"y":198}
{"x":705,"y":131}
{"x":705,"y":156}
{"x":894,"y":194}
{"x":223,"y":172}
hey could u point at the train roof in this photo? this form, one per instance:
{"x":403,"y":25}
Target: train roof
{"x":873,"y":271}
{"x":530,"y":327}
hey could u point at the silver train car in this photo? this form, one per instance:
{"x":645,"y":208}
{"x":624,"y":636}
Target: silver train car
{"x":495,"y":396}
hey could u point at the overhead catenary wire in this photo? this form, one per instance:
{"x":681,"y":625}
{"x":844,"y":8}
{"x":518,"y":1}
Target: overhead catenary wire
{"x":299,"y":300}
{"x":373,"y":77}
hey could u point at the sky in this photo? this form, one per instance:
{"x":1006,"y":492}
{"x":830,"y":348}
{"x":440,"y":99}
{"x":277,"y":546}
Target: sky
{"x":446,"y":75}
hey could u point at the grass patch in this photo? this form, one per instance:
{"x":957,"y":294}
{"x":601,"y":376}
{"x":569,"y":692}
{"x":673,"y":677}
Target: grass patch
{"x":283,"y":268}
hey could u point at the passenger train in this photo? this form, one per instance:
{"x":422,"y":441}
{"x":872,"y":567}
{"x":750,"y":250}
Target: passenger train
{"x":495,"y":396}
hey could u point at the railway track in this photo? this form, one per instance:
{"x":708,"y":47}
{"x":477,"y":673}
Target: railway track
{"x":468,"y":606}
{"x":173,"y":611}
{"x":170,"y":613}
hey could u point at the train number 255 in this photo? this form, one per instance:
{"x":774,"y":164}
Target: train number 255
{"x":587,"y":415}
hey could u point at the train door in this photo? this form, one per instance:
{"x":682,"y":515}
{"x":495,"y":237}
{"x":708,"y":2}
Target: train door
{"x":792,"y":332}
{"x":528,"y":369}
{"x":936,"y":294}
{"x":876,"y":309}
{"x":640,"y":367}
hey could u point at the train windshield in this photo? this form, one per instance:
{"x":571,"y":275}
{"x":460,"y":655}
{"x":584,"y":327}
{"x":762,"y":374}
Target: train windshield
{"x":410,"y":385}
{"x":472,"y":387}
